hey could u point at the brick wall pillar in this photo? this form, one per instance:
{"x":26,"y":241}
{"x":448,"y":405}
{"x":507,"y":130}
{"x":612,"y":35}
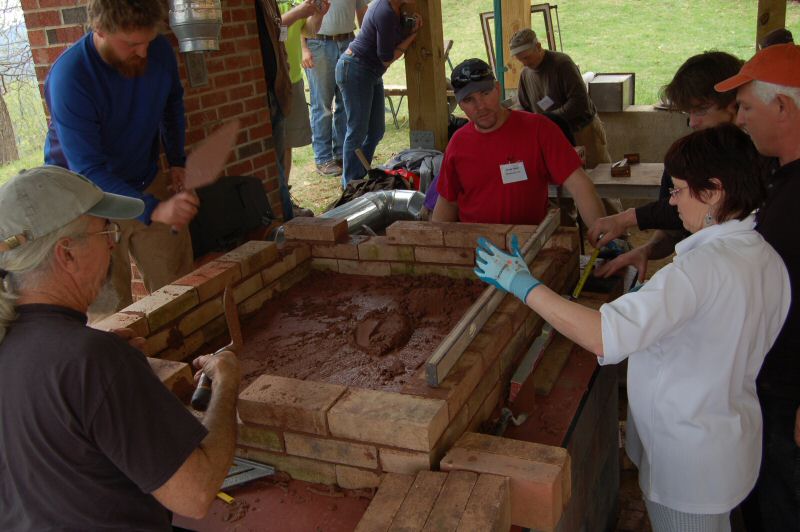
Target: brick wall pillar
{"x":236,"y":83}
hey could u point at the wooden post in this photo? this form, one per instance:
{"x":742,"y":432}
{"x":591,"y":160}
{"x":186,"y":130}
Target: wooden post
{"x":516,"y":16}
{"x":426,"y":82}
{"x":771,"y":16}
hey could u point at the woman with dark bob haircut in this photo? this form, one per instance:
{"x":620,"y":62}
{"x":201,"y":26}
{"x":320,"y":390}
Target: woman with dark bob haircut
{"x":695,"y":335}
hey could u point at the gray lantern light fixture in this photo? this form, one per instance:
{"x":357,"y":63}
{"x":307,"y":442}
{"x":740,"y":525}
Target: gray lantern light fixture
{"x":196,"y":24}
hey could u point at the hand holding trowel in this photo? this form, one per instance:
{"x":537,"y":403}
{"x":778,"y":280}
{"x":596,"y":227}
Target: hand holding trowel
{"x":202,"y":395}
{"x":203,"y":167}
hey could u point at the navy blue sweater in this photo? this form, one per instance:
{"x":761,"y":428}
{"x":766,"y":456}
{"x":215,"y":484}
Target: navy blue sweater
{"x":108,"y":127}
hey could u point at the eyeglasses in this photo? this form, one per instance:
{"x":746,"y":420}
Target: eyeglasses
{"x":112,"y":230}
{"x":469,"y":73}
{"x":674,"y":191}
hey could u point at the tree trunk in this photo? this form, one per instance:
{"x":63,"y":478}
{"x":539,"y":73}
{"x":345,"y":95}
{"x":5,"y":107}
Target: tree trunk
{"x":8,"y":143}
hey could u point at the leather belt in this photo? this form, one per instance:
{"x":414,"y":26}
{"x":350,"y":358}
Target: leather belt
{"x":337,"y":37}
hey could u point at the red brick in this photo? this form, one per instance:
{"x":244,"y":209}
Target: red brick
{"x":416,"y":233}
{"x":178,"y":377}
{"x":232,"y":31}
{"x":417,"y":505}
{"x":211,"y":278}
{"x":386,"y":503}
{"x":213,"y":99}
{"x":463,"y":235}
{"x":252,"y":256}
{"x":248,"y":44}
{"x":123,"y":320}
{"x":241,"y":92}
{"x":165,"y":305}
{"x":242,"y":168}
{"x":37,"y":38}
{"x":42,"y":19}
{"x":231,"y":110}
{"x":316,"y":229}
{"x":291,"y":403}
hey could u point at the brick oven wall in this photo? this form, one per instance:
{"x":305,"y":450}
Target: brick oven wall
{"x":236,"y":89}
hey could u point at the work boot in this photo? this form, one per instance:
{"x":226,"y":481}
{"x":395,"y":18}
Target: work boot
{"x":329,"y":168}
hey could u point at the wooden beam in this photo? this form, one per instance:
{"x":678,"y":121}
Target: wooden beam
{"x":771,"y":16}
{"x":459,"y":338}
{"x":516,"y":16}
{"x":425,"y":80}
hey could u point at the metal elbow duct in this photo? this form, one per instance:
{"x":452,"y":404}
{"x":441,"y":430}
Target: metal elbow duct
{"x":196,"y":24}
{"x":378,"y":209}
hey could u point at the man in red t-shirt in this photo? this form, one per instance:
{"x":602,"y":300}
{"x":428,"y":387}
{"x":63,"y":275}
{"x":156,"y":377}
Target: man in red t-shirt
{"x":497,"y":168}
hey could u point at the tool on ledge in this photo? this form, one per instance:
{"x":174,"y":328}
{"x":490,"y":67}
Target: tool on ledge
{"x":202,"y":395}
{"x":206,"y":162}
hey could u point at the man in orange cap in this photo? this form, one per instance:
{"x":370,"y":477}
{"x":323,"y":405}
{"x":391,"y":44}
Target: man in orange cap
{"x":768,"y":94}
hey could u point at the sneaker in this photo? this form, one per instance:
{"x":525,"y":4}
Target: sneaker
{"x":302,"y":212}
{"x":329,"y":168}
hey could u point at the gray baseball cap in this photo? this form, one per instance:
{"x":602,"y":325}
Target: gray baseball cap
{"x":36,"y":202}
{"x":522,"y":40}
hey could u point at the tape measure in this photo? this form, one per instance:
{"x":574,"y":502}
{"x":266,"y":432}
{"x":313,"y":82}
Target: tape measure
{"x":587,"y":271}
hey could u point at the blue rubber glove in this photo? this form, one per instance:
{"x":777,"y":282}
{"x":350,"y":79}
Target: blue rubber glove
{"x":506,"y":272}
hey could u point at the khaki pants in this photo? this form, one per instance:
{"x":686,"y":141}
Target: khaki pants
{"x":160,"y":256}
{"x":593,"y":138}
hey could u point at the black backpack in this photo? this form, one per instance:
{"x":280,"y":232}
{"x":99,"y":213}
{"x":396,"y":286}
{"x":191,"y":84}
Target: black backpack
{"x":230,"y":210}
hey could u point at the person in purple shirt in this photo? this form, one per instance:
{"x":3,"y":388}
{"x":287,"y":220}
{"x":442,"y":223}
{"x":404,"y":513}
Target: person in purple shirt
{"x":383,"y":39}
{"x":115,"y":98}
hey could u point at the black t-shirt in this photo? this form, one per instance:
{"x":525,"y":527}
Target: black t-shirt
{"x":660,"y":214}
{"x":88,"y":431}
{"x":780,"y":374}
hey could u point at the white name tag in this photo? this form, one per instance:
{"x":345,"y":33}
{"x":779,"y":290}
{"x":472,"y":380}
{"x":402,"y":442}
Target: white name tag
{"x":284,"y":33}
{"x":545,"y":103}
{"x":513,"y":172}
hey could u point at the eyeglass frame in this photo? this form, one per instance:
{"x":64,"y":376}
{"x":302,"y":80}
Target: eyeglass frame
{"x":674,"y":191}
{"x":115,"y":232}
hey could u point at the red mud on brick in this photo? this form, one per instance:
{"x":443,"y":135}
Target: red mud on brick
{"x":370,"y":332}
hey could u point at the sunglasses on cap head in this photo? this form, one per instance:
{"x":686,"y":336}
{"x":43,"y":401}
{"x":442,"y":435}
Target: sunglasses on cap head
{"x":470,"y":73}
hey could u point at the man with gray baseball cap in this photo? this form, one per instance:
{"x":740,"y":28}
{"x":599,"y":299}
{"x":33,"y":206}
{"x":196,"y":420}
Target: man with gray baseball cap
{"x":497,"y":168}
{"x":91,"y":439}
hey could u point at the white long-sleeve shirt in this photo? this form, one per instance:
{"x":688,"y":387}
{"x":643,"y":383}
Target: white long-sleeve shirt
{"x":696,"y":335}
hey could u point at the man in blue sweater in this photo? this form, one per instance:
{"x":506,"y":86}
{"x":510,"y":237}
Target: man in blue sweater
{"x":115,"y":98}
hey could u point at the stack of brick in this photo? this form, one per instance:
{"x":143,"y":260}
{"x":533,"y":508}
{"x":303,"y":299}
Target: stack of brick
{"x":439,"y":502}
{"x":334,"y":434}
{"x":236,"y":86}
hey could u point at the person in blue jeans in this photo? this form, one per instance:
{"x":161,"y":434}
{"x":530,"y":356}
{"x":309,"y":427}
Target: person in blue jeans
{"x":320,"y":53}
{"x":385,"y":36}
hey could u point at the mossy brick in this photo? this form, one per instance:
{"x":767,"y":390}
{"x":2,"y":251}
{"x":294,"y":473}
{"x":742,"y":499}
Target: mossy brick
{"x":458,"y":425}
{"x":538,"y":474}
{"x":380,"y":248}
{"x":165,"y":305}
{"x":516,"y":346}
{"x":465,"y":235}
{"x":290,"y":403}
{"x":354,"y":478}
{"x":415,"y":233}
{"x":259,"y":437}
{"x":373,"y":269}
{"x":402,"y":268}
{"x":489,"y":506}
{"x":331,"y":265}
{"x":418,"y":385}
{"x":404,"y":462}
{"x":256,"y":301}
{"x":270,"y":274}
{"x":417,"y":505}
{"x":211,"y":278}
{"x":123,"y":320}
{"x":451,"y":502}
{"x":252,"y":256}
{"x":214,"y":329}
{"x":498,"y":327}
{"x":387,"y":501}
{"x":190,"y":345}
{"x":200,"y":315}
{"x":296,"y":467}
{"x":487,"y":347}
{"x":461,"y":380}
{"x":247,"y":287}
{"x":388,"y":418}
{"x":486,"y":410}
{"x":522,"y":232}
{"x":461,"y":272}
{"x":330,"y":450}
{"x":294,"y":276}
{"x":444,"y":255}
{"x":316,"y":229}
{"x":176,"y":376}
{"x":345,"y":250}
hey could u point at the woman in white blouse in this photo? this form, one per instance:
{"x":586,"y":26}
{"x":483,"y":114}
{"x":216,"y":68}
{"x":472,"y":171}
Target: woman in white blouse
{"x":695,"y":335}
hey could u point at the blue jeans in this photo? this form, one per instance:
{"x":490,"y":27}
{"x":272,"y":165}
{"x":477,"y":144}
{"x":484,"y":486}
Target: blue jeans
{"x":326,"y":135}
{"x":362,"y":92}
{"x":279,"y":144}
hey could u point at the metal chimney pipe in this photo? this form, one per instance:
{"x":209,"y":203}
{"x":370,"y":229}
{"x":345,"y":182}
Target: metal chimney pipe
{"x":196,"y":24}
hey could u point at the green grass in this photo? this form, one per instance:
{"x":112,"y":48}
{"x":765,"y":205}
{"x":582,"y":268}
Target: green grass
{"x":27,"y":116}
{"x":648,"y":37}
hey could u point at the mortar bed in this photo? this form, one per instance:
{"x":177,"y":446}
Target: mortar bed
{"x":353,"y":330}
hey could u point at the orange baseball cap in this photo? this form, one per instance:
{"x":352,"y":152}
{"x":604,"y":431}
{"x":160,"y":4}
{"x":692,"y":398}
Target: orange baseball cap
{"x":779,"y":64}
